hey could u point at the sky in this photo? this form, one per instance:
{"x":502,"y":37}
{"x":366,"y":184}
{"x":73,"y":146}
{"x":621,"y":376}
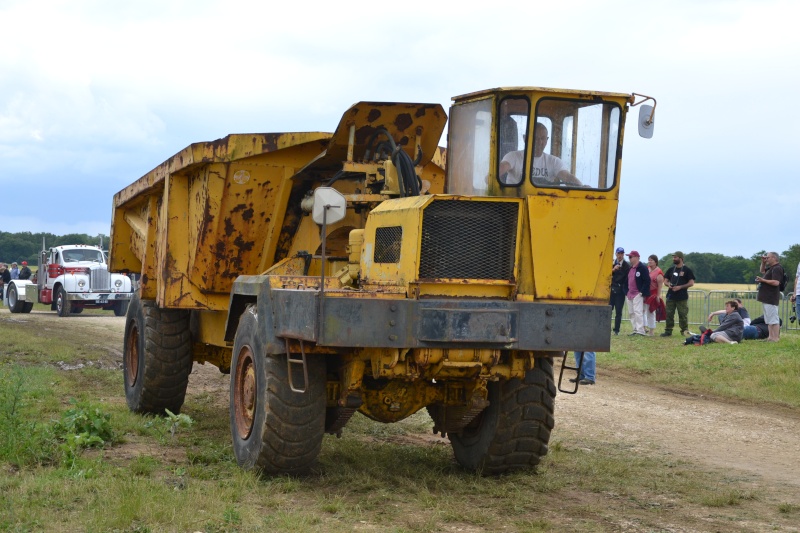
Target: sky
{"x":95,"y":94}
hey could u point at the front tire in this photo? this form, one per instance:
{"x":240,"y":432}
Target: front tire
{"x":15,"y":305}
{"x":63,"y":305}
{"x":121,"y":308}
{"x":274,"y":430}
{"x":513,"y":432}
{"x":157,"y":357}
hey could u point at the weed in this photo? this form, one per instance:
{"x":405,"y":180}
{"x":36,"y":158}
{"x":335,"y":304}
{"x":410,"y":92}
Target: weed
{"x":82,"y":427}
{"x":169,"y":424}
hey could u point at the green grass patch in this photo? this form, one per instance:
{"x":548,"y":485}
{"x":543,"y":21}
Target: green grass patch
{"x":752,"y":371}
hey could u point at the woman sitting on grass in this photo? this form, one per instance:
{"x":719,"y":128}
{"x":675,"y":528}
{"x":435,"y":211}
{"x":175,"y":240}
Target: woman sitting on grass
{"x":731,"y":327}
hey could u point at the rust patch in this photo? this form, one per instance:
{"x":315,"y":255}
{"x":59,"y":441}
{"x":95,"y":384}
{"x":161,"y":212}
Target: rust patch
{"x":242,"y":244}
{"x":420,"y":112}
{"x":229,"y":228}
{"x":270,"y":143}
{"x":374,"y":114}
{"x":247,"y":214}
{"x":403,"y":121}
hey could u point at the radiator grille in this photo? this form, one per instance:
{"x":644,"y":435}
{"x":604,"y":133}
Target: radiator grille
{"x":387,"y":244}
{"x":100,"y":280}
{"x":475,"y":240}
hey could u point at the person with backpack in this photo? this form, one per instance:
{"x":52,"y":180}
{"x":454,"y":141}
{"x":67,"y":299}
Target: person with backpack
{"x":769,"y":292}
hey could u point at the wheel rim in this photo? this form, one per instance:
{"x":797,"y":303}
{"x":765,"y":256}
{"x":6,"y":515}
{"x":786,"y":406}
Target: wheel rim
{"x":244,"y":392}
{"x":132,"y":351}
{"x":60,"y":302}
{"x":12,"y":297}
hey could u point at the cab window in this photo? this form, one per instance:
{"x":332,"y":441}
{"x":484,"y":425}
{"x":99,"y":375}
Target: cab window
{"x":469,"y":142}
{"x":575,"y":144}
{"x":512,"y":127}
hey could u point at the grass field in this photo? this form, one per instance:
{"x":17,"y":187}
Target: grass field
{"x":73,"y":458}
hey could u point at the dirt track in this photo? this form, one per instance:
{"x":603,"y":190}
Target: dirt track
{"x":758,"y":444}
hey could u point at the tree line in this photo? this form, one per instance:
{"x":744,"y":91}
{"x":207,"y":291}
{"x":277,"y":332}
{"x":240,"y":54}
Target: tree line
{"x":707,"y":267}
{"x":25,"y":246}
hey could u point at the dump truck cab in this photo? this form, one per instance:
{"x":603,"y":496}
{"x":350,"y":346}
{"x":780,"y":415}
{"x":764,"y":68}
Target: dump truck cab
{"x":571,"y":216}
{"x":368,"y":270}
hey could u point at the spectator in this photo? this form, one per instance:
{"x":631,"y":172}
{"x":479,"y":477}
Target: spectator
{"x":586,"y":376}
{"x":769,"y":293}
{"x":679,"y":278}
{"x":794,"y":298}
{"x":741,"y":310}
{"x":653,"y":301}
{"x":758,"y":329}
{"x":619,"y":280}
{"x":25,"y":272}
{"x":731,"y":327}
{"x":5,"y":278}
{"x":14,"y":270}
{"x":638,"y":289}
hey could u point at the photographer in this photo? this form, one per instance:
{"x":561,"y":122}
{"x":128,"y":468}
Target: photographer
{"x":769,"y":293}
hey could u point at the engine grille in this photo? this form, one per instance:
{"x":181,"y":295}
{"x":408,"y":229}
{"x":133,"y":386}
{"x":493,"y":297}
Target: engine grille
{"x":474,"y":240}
{"x":100,"y":280}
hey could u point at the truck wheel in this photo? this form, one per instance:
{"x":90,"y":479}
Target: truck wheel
{"x":275,"y":430}
{"x":63,"y":305}
{"x":76,"y":310}
{"x":120,"y":308}
{"x":15,"y":305}
{"x":157,"y":357}
{"x":28,"y":307}
{"x":513,"y":432}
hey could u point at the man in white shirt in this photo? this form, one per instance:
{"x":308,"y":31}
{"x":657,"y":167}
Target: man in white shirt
{"x":547,"y":169}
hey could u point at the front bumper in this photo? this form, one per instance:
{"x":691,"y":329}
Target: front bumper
{"x":98,"y":298}
{"x":364,"y":322}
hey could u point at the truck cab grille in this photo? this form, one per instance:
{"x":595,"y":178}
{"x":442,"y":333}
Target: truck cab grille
{"x":469,"y":240}
{"x":100,"y":279}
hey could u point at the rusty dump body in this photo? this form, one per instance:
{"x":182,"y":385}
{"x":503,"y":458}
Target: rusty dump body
{"x":218,"y":210}
{"x":370,"y":270}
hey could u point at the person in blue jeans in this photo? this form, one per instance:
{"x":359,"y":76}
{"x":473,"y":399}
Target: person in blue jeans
{"x":586,"y":376}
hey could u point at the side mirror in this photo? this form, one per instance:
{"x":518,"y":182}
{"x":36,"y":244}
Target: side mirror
{"x":646,"y":120}
{"x":327,"y":199}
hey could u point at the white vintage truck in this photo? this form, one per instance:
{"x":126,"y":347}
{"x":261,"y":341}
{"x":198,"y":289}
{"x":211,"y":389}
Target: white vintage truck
{"x":71,"y":278}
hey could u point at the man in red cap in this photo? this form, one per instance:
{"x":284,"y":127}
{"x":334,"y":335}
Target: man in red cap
{"x":24,"y":272}
{"x":638,"y":290}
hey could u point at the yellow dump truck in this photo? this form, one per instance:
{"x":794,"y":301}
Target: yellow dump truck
{"x":371,"y":270}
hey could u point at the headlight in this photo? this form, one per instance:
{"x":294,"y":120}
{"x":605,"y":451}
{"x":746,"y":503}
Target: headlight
{"x":81,"y":283}
{"x":118,"y":283}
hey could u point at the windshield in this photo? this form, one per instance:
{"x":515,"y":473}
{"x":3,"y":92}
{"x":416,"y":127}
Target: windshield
{"x":575,"y":144}
{"x":570,"y":143}
{"x":77,"y":255}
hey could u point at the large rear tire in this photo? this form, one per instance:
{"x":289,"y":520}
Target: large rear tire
{"x":275,"y":430}
{"x":63,"y":305}
{"x":157,"y":357}
{"x":513,"y":432}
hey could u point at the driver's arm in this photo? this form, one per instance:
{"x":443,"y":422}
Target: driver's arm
{"x":566,"y":177}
